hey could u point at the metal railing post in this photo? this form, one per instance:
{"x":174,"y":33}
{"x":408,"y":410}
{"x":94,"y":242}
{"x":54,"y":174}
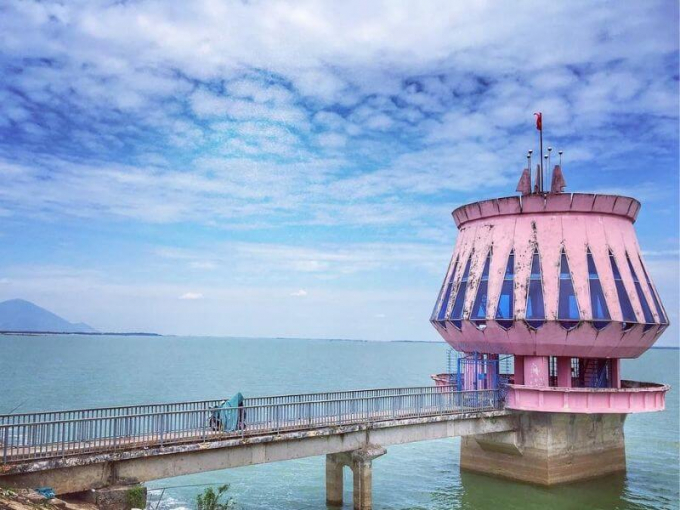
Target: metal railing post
{"x":162,"y":427}
{"x":5,"y":444}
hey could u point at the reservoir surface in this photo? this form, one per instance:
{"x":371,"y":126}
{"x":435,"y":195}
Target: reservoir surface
{"x":39,"y":373}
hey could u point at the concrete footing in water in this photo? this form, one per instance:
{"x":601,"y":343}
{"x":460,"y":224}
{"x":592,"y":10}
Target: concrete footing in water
{"x":360,"y":462}
{"x":550,"y":448}
{"x":116,"y":497}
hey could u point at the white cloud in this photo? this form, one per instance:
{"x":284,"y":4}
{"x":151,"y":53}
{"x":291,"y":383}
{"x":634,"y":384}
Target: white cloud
{"x":299,"y":293}
{"x":191,"y":296}
{"x":203,"y":264}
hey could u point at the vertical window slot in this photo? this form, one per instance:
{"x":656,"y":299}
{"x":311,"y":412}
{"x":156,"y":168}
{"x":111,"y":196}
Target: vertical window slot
{"x":535,"y":316}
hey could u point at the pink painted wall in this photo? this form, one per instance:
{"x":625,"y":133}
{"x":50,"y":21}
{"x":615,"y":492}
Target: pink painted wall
{"x":550,"y":224}
{"x":536,"y":370}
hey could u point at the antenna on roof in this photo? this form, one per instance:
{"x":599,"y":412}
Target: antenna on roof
{"x":547,"y":170}
{"x":560,"y":153}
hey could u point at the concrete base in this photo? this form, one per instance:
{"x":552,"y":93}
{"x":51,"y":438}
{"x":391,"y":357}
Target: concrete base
{"x":117,"y":497}
{"x":550,"y":448}
{"x":360,"y":462}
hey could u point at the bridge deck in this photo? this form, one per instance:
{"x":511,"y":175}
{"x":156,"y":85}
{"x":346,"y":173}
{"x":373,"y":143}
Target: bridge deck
{"x":34,"y":436}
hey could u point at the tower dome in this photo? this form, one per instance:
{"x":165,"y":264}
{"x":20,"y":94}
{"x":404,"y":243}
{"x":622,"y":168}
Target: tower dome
{"x":549,"y":274}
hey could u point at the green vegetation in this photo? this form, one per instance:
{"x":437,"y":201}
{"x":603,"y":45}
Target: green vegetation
{"x":210,"y":500}
{"x":136,"y":497}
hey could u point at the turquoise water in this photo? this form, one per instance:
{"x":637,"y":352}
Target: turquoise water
{"x":56,"y":372}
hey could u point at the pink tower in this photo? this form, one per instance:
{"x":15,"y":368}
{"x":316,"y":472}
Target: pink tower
{"x":556,"y":282}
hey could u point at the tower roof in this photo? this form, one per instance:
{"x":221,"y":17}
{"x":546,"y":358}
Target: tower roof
{"x":548,"y":203}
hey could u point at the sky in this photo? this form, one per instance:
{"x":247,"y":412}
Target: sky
{"x":288,"y":169}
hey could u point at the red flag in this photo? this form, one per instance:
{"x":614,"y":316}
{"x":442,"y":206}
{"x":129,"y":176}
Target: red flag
{"x":539,"y":121}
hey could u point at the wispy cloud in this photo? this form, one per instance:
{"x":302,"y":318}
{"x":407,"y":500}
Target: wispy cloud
{"x":191,"y":296}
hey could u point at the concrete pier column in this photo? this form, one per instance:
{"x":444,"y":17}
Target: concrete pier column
{"x":536,"y":371}
{"x":564,"y":372}
{"x":335,"y":464}
{"x":362,"y":469}
{"x":362,"y":472}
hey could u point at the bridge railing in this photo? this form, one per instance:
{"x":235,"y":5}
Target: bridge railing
{"x":76,"y":436}
{"x":120,"y":411}
{"x":345,"y":394}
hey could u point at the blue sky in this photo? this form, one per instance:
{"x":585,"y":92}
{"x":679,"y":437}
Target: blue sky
{"x":289,"y":169}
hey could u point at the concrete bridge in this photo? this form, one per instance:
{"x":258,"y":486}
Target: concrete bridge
{"x":94,"y":450}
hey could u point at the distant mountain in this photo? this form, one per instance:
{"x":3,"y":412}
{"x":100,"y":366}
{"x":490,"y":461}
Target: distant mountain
{"x":22,"y":315}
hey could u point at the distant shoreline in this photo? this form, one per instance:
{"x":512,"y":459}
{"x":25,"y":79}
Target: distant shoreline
{"x":42,"y":333}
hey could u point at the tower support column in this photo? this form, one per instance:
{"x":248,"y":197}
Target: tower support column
{"x":550,"y":448}
{"x":564,"y":372}
{"x":616,"y":373}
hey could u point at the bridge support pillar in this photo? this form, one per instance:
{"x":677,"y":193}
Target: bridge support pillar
{"x":361,"y":464}
{"x":335,"y":463}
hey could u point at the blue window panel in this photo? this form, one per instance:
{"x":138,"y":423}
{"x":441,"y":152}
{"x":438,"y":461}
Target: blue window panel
{"x":657,"y":304}
{"x":479,"y":308}
{"x":535,"y":306}
{"x":447,"y":294}
{"x":567,"y":308}
{"x":646,"y":311}
{"x":443,"y":291}
{"x":457,"y":312}
{"x":506,"y":301}
{"x":626,"y":308}
{"x":598,"y":303}
{"x":592,"y":270}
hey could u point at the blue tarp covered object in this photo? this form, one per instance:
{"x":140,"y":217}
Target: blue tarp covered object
{"x":227,"y":413}
{"x":46,"y":492}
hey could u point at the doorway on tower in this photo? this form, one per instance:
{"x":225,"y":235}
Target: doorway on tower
{"x":585,"y":372}
{"x":482,"y":371}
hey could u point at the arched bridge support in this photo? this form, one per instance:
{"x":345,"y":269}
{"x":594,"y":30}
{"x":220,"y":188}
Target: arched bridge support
{"x":361,"y":463}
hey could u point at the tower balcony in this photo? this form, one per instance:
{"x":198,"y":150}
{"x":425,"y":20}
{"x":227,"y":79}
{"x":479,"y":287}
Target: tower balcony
{"x":631,"y":397}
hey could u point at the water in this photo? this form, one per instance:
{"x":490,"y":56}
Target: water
{"x":57,"y":372}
